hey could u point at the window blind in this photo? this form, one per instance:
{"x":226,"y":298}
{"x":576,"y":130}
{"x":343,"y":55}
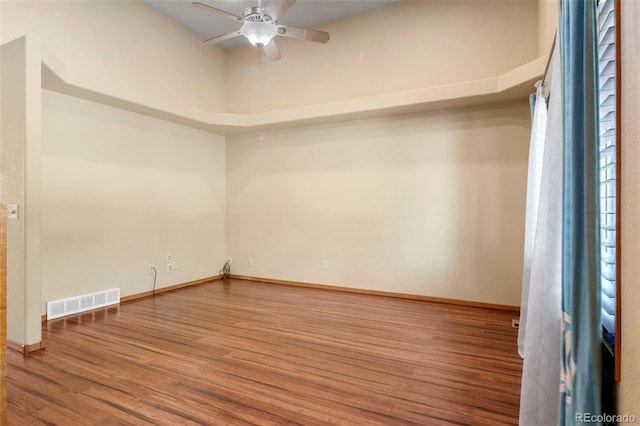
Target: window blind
{"x":607,"y":141}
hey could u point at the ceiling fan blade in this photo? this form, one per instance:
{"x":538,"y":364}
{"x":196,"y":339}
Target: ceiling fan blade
{"x":271,"y":51}
{"x":218,"y":39}
{"x":216,"y":11}
{"x":303,"y":33}
{"x":275,"y":8}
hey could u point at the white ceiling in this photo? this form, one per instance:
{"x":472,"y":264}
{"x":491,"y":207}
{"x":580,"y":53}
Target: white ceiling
{"x":303,"y":13}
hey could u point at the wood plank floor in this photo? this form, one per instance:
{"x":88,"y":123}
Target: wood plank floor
{"x":240,"y":352}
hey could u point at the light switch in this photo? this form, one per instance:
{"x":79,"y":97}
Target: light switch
{"x":12,"y":211}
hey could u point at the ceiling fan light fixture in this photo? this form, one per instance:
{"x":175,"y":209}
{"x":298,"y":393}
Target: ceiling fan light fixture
{"x":259,"y":33}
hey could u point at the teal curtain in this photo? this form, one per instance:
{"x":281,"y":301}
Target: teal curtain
{"x":581,"y":345}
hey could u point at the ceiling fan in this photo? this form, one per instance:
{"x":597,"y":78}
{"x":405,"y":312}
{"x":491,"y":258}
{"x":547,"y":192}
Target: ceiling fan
{"x":260,"y":27}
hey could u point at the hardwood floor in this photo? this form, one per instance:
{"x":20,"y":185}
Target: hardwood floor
{"x":241,"y":352}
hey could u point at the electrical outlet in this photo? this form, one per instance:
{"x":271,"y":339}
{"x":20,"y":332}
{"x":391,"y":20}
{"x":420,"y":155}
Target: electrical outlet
{"x":152,"y":269}
{"x":251,"y":262}
{"x":169,"y":267}
{"x":169,"y":257}
{"x":324,"y":264}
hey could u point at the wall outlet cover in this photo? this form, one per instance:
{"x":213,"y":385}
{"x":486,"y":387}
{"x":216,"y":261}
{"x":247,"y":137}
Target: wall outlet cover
{"x":12,"y":211}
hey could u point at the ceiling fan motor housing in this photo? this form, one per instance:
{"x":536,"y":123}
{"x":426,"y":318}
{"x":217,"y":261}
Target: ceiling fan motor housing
{"x":254,"y":14}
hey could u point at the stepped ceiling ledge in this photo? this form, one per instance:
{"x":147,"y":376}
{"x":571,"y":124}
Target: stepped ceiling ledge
{"x":512,"y":85}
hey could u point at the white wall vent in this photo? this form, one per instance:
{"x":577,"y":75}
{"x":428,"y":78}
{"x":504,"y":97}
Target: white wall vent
{"x":86,"y":302}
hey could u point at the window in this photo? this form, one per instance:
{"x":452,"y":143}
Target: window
{"x":608,"y":83}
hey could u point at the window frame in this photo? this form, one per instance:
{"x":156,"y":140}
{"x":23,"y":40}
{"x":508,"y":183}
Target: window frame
{"x":618,"y":189}
{"x":617,"y":351}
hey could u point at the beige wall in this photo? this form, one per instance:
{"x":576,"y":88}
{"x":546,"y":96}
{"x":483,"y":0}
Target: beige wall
{"x":405,"y":46}
{"x":123,"y":48}
{"x":118,"y":195}
{"x":629,"y":390}
{"x":428,"y":204}
{"x":120,"y":191}
{"x":547,"y":25}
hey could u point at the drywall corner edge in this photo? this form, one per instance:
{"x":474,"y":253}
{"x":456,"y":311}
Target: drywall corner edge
{"x":21,"y":184}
